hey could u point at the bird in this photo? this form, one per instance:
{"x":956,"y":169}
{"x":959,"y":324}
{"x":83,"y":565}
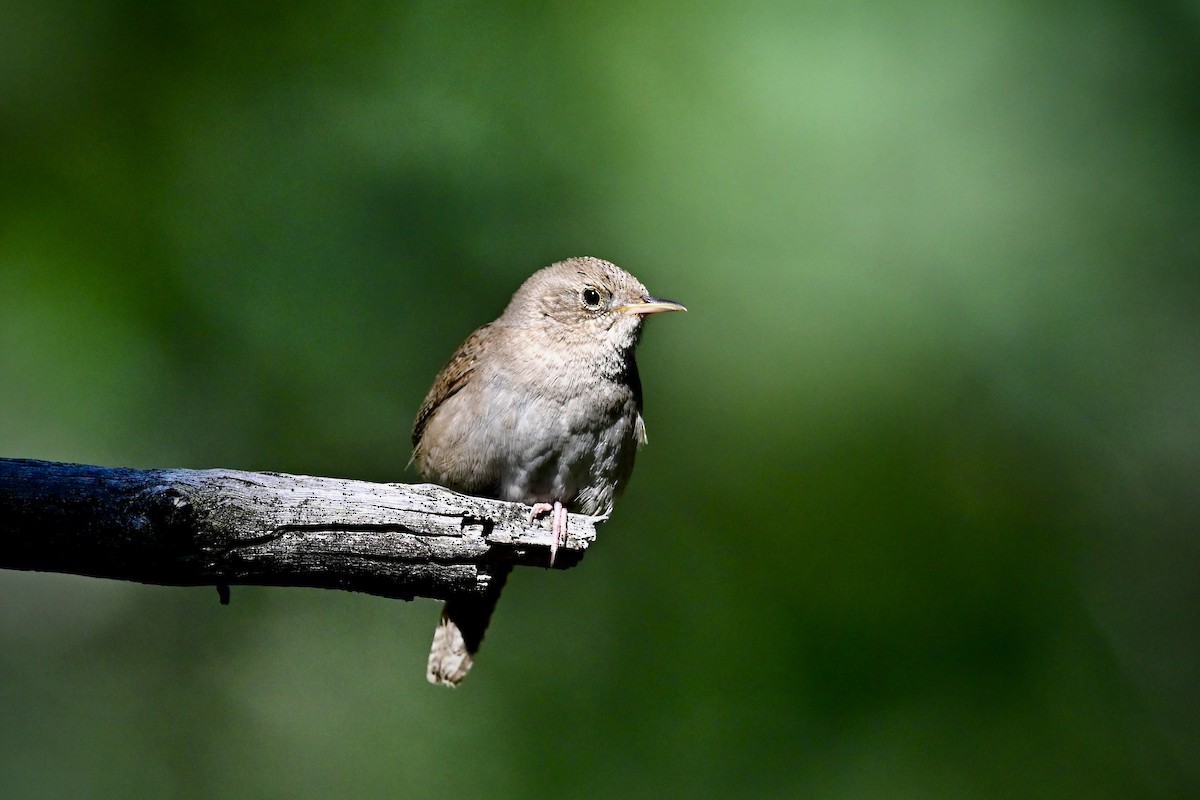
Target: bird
{"x":542,"y":406}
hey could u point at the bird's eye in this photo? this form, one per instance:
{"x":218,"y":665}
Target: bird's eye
{"x":591,"y":297}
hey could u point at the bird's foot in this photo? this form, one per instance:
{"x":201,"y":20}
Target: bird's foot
{"x":558,"y":524}
{"x":537,"y":509}
{"x":560,"y":530}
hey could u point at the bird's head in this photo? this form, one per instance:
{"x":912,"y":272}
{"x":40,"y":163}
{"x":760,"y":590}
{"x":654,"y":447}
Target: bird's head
{"x":586,"y":299}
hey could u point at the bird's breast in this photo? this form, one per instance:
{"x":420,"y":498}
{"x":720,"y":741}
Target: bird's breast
{"x":573,"y":441}
{"x":575,"y":447}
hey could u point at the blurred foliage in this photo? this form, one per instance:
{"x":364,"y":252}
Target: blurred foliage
{"x":919,"y":514}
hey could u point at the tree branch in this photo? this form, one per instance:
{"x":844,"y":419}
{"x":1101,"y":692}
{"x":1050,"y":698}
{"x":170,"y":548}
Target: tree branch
{"x":219,"y":527}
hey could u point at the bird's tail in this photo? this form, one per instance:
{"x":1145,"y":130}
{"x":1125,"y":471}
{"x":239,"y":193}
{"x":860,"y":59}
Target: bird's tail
{"x":460,"y":632}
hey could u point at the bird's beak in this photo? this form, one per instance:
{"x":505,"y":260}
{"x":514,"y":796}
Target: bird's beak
{"x":650,"y":305}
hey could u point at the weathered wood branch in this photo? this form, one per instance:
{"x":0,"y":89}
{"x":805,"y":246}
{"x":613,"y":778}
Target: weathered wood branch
{"x":220,"y":527}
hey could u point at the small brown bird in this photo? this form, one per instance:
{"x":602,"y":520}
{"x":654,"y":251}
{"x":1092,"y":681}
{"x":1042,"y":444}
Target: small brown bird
{"x":542,"y":406}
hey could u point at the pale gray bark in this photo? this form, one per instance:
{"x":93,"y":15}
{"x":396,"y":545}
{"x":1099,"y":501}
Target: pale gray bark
{"x":221,"y":527}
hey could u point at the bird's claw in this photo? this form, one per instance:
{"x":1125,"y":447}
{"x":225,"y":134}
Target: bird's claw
{"x":558,"y":524}
{"x":537,"y":509}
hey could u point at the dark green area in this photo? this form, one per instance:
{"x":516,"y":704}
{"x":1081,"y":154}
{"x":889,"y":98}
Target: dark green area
{"x":919,"y":515}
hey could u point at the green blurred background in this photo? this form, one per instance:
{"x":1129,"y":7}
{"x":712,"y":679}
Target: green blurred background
{"x":919,"y":513}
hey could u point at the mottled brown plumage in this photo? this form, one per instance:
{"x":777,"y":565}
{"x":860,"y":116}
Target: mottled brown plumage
{"x":542,"y":406}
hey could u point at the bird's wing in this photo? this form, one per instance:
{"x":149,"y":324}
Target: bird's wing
{"x":451,"y":379}
{"x":635,"y":383}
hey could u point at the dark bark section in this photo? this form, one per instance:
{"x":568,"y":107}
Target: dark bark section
{"x":224,"y":527}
